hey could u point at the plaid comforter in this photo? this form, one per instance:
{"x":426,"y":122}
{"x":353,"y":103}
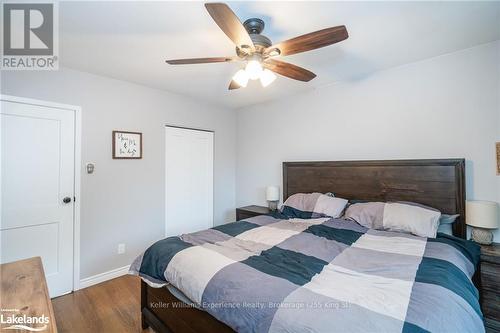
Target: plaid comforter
{"x":275,"y":274}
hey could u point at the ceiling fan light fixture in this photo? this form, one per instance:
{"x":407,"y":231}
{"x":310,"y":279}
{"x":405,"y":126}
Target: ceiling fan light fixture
{"x":253,"y":69}
{"x":241,"y":78}
{"x":267,"y":77}
{"x":258,"y":51}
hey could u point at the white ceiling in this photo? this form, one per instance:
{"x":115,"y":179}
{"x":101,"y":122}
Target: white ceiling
{"x":131,"y":40}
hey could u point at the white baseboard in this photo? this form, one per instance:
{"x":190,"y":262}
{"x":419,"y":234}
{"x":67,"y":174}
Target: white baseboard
{"x":98,"y":278}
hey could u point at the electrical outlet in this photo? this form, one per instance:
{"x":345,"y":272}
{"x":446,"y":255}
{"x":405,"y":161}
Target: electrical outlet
{"x":121,"y":248}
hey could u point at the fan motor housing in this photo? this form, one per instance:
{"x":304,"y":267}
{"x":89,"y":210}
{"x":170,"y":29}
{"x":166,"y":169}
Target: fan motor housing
{"x":260,"y":40}
{"x":254,"y":27}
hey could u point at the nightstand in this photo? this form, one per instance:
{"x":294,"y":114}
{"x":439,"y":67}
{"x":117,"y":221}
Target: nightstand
{"x":250,"y":211}
{"x":490,"y":284}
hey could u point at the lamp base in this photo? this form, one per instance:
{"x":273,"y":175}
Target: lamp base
{"x":273,"y":205}
{"x":482,"y":236}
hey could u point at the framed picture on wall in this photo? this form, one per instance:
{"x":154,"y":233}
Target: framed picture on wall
{"x":498,"y":157}
{"x":127,"y":145}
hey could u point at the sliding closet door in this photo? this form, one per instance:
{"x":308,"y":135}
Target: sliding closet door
{"x":189,"y":180}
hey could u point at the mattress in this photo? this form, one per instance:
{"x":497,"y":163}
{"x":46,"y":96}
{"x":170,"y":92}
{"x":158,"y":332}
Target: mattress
{"x":179,"y":295}
{"x":279,"y":274}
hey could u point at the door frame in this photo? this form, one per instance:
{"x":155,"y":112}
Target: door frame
{"x":165,"y":169}
{"x":77,"y":110}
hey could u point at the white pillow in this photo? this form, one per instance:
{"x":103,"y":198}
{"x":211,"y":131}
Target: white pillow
{"x":330,"y":206}
{"x":408,"y":218}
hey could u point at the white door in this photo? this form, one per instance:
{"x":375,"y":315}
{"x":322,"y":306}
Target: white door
{"x":189,"y":180}
{"x":37,"y":189}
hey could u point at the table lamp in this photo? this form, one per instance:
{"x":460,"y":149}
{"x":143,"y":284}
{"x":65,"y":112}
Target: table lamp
{"x":482,"y":216}
{"x":273,"y":197}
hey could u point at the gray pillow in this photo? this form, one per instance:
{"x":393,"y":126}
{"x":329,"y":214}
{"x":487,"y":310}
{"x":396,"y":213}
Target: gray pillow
{"x":410,"y":203}
{"x":414,"y":219}
{"x":317,"y":203}
{"x":368,"y":214}
{"x":444,"y":219}
{"x":445,"y":223}
{"x":371,"y":214}
{"x":448,"y":219}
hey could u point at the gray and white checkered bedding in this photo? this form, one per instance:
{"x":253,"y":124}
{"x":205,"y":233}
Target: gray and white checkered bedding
{"x":273,"y":274}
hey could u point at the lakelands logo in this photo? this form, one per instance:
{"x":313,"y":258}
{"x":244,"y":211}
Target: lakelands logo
{"x":24,"y":322}
{"x":30,"y":36}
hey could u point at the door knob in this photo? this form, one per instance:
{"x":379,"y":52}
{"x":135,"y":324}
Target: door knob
{"x":67,"y":200}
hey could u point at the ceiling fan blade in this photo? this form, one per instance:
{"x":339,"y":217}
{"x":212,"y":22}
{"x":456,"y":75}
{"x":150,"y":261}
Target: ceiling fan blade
{"x":289,"y":70}
{"x":233,"y":85}
{"x":199,"y":60}
{"x":227,"y":20}
{"x":310,"y":41}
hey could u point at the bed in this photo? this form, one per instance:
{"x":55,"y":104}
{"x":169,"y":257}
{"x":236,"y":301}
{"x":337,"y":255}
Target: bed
{"x":285,"y":283}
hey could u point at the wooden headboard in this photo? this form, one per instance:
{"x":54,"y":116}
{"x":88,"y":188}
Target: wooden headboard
{"x":438,"y":183}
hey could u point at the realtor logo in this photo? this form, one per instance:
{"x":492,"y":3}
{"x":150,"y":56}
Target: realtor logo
{"x":29,"y":36}
{"x":18,"y":321}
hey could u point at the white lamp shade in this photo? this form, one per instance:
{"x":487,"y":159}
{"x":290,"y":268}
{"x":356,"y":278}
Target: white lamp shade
{"x":241,"y":78}
{"x":482,"y":214}
{"x":272,"y":193}
{"x":253,"y":69}
{"x":267,"y":77}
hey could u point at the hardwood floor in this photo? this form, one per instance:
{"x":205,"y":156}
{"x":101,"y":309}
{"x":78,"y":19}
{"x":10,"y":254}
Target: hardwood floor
{"x":111,"y":306}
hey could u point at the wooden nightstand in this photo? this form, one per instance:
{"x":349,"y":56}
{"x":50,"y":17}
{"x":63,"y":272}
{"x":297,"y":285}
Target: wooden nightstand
{"x":251,"y":211}
{"x":490,"y":284}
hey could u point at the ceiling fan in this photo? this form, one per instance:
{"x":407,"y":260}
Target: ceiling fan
{"x":259,"y":52}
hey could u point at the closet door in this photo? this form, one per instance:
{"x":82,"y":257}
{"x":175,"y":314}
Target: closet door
{"x":189,"y":160}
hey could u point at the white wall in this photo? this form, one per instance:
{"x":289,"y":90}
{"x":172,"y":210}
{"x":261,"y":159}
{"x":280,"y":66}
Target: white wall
{"x":447,"y":106}
{"x":442,"y":107}
{"x":123,"y":201}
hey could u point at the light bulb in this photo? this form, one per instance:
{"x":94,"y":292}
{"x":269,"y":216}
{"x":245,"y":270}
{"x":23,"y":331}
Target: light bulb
{"x":241,"y":78}
{"x":253,"y":69}
{"x":267,"y":77}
